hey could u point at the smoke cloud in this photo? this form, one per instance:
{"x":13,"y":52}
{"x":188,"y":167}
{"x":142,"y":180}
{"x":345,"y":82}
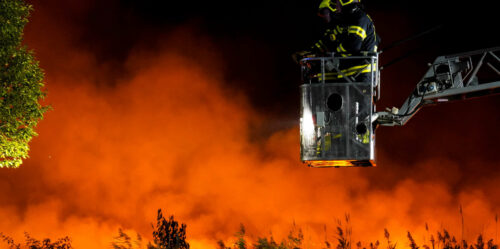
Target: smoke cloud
{"x":170,"y":132}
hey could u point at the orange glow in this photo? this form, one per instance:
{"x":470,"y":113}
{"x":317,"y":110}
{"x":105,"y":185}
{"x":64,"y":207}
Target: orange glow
{"x":340,"y":163}
{"x":173,"y":133}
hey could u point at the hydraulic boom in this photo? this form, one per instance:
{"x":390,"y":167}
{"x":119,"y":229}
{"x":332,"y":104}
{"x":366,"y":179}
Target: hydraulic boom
{"x":449,"y":78}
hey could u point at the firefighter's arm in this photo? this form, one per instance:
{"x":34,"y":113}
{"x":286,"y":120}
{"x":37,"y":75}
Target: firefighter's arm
{"x":327,"y":42}
{"x":317,"y":48}
{"x":356,"y":34}
{"x":320,"y":47}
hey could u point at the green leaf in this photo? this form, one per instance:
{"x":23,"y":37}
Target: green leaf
{"x":21,"y":84}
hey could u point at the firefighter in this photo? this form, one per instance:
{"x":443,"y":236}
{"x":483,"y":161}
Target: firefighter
{"x":350,"y":32}
{"x":329,"y":11}
{"x":330,"y":15}
{"x":356,"y":36}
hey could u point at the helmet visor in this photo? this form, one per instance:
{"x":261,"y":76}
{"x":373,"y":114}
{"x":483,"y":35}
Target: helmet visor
{"x":346,"y":2}
{"x":327,"y":4}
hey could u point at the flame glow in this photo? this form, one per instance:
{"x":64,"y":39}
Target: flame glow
{"x":340,"y":163}
{"x":172,"y":133}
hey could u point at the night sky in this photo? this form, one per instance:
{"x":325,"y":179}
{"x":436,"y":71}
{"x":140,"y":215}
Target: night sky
{"x":256,"y":38}
{"x":193,"y":106}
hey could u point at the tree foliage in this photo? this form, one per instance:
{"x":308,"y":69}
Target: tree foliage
{"x":32,"y":243}
{"x":21,"y":85}
{"x":168,"y":234}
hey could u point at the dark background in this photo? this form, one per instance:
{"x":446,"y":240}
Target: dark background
{"x":256,"y":38}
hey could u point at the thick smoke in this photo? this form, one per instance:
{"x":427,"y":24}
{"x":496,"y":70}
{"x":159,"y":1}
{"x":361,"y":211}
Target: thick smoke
{"x":171,"y":133}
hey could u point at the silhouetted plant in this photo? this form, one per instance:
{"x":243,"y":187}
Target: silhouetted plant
{"x":63,"y":243}
{"x":124,"y":241}
{"x":240,"y":235}
{"x":344,"y":234}
{"x":327,"y":244}
{"x":295,"y":238}
{"x":264,"y":243}
{"x":10,"y":242}
{"x":491,"y":245}
{"x":168,"y":234}
{"x":479,"y":242}
{"x":374,"y":245}
{"x":32,"y":243}
{"x":387,"y":236}
{"x":222,"y":245}
{"x":413,"y":245}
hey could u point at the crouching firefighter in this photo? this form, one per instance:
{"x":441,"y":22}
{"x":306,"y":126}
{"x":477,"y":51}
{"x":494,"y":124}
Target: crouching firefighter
{"x":350,"y":32}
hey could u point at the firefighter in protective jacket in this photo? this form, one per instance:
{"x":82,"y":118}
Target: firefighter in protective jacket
{"x":350,"y":32}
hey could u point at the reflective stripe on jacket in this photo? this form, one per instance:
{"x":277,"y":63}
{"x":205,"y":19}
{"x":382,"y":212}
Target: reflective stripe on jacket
{"x":352,"y":34}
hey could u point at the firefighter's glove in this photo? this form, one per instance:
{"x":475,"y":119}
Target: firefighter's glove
{"x":297,"y":56}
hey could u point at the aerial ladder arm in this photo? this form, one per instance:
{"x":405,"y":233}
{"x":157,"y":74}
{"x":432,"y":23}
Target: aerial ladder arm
{"x":449,"y":78}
